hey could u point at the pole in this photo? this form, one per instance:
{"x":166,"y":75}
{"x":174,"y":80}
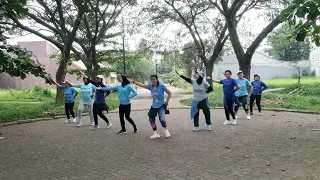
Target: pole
{"x":123,"y":50}
{"x":157,"y":69}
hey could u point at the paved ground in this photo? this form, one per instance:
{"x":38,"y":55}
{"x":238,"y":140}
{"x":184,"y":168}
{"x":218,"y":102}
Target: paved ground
{"x":274,"y":146}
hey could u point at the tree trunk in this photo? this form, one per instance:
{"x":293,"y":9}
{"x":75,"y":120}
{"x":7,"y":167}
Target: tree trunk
{"x":209,"y":69}
{"x":245,"y":67}
{"x":60,"y":76}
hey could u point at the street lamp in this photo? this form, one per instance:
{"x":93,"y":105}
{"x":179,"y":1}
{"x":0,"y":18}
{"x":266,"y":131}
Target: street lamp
{"x":123,"y":50}
{"x":157,"y":59}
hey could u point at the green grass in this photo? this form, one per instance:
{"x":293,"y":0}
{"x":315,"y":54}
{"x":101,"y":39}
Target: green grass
{"x":15,"y":104}
{"x":303,"y":97}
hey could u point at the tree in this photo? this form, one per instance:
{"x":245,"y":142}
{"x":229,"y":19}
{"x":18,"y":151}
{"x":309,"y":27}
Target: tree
{"x":304,"y":16}
{"x":234,"y":10}
{"x":53,"y":16}
{"x":286,"y":48}
{"x":200,"y":22}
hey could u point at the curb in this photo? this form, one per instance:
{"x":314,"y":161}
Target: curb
{"x":146,"y":109}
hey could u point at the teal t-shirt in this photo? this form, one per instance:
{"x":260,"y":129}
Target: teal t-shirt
{"x":125,"y":93}
{"x":157,"y":95}
{"x":69,"y":94}
{"x":87,"y":91}
{"x":244,"y":84}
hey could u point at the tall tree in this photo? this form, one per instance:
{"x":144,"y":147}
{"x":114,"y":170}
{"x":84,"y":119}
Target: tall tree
{"x":234,"y":9}
{"x":304,"y":16}
{"x":286,"y":48}
{"x":200,"y":22}
{"x":52,"y":15}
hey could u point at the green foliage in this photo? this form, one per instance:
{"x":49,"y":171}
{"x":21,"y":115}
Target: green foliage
{"x":287,"y":48}
{"x":304,"y":16}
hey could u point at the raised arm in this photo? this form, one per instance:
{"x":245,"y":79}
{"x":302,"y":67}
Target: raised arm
{"x":70,"y":84}
{"x":55,"y":82}
{"x":168,"y":97}
{"x":185,"y":78}
{"x":146,"y":86}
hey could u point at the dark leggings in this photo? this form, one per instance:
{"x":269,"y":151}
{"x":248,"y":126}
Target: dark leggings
{"x":206,"y":111}
{"x":69,"y":109}
{"x":229,"y":109}
{"x":258,"y":102}
{"x":124,"y":111}
{"x":244,"y":101}
{"x":97,"y":110}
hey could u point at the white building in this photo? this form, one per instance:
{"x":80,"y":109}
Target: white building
{"x":263,"y":64}
{"x":315,"y":61}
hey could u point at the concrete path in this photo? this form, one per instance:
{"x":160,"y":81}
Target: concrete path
{"x":273,"y":146}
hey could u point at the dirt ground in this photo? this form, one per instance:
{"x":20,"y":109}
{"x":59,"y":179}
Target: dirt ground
{"x":274,"y":146}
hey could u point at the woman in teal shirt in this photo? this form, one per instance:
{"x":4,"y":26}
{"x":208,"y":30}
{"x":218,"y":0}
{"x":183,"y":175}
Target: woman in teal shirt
{"x":125,"y":93}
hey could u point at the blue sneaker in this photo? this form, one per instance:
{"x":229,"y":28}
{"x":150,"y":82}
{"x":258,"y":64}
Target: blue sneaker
{"x":208,"y":127}
{"x":196,"y":129}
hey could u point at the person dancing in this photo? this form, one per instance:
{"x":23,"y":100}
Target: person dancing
{"x":125,"y":93}
{"x":230,"y":86}
{"x":200,"y":99}
{"x":100,"y":101}
{"x":158,"y":106}
{"x":258,"y":88}
{"x":70,"y":95}
{"x":242,"y":94}
{"x":88,"y":91}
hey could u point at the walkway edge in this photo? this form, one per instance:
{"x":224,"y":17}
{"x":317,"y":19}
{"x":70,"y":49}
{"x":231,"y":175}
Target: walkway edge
{"x":146,"y":109}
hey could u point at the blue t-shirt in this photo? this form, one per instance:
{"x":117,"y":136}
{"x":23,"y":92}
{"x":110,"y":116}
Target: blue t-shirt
{"x":258,"y":87}
{"x":69,"y":94}
{"x":157,"y":95}
{"x":125,"y":93}
{"x":244,"y":84}
{"x":87,"y":91}
{"x":228,"y":86}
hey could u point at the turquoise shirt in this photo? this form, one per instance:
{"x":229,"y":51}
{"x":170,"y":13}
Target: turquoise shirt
{"x":87,"y":91}
{"x":157,"y":95}
{"x":124,"y":93}
{"x":244,"y":84}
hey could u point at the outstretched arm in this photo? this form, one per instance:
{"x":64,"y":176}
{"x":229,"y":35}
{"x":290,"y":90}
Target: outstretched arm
{"x":146,"y":86}
{"x":216,"y":81}
{"x":70,"y":84}
{"x":108,"y":88}
{"x":55,"y":82}
{"x":185,"y":78}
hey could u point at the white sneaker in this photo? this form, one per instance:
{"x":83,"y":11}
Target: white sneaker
{"x":79,"y":124}
{"x":248,"y":117}
{"x":166,"y":133}
{"x":74,"y":120}
{"x":92,"y":124}
{"x":95,"y":127}
{"x":155,"y":135}
{"x":236,"y":116}
{"x":67,"y":121}
{"x":109,"y":125}
{"x":234,"y":121}
{"x":227,"y":122}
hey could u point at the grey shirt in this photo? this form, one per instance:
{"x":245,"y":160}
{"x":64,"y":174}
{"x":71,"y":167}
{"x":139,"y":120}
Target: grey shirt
{"x":199,"y":91}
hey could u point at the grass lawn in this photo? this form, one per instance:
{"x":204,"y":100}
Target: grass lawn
{"x":304,"y":97}
{"x":36,"y":103}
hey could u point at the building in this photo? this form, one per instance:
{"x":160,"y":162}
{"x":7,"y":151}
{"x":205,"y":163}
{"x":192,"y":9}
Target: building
{"x":42,"y":50}
{"x":263,"y":64}
{"x":315,"y":61}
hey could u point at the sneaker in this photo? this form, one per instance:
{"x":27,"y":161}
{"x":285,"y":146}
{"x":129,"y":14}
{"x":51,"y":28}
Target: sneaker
{"x":79,"y":124}
{"x":95,"y":127}
{"x":251,"y":113}
{"x":234,"y":122}
{"x":195,"y":129}
{"x":74,"y":120}
{"x":92,"y":124}
{"x":227,"y":122}
{"x":155,"y":135}
{"x":109,"y":125}
{"x":208,"y":127}
{"x":260,"y":114}
{"x":122,"y":132}
{"x":135,"y":129}
{"x":248,"y":117}
{"x":166,"y":133}
{"x":67,"y":121}
{"x":236,"y":116}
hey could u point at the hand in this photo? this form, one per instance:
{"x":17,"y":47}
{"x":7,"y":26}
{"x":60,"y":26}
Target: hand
{"x":91,"y":95}
{"x":166,"y":103}
{"x":130,"y":80}
{"x":98,"y":88}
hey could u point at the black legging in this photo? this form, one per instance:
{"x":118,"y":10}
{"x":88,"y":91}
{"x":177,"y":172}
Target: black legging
{"x":229,"y":109}
{"x":206,"y":111}
{"x":97,"y":110}
{"x":124,"y":111}
{"x":68,"y":107}
{"x":258,"y":102}
{"x":243,"y":100}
